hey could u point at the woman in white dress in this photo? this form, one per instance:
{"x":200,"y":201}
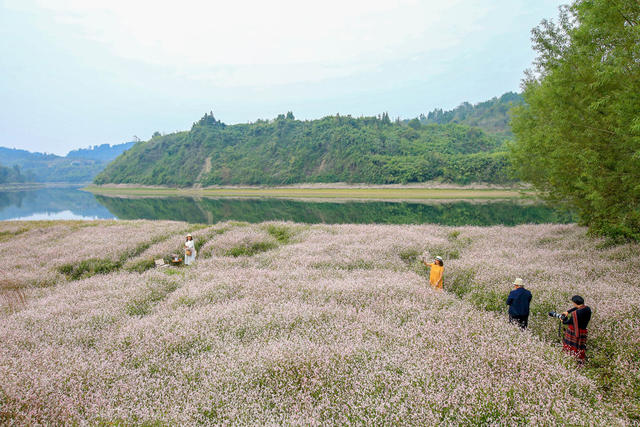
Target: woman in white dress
{"x":189,"y":250}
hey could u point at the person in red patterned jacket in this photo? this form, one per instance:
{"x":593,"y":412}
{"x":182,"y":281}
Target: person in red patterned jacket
{"x":575,"y":337}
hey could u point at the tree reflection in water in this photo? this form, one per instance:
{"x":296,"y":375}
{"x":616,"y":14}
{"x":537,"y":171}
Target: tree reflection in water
{"x":454,"y":213}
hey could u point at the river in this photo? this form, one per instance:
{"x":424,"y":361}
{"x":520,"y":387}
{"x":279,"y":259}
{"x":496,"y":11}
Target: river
{"x":73,"y":203}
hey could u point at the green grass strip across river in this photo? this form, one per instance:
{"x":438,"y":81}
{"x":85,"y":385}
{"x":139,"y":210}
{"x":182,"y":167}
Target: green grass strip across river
{"x":384,"y":193}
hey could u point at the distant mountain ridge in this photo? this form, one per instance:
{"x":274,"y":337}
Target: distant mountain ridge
{"x":332,"y":149}
{"x":104,"y":152}
{"x":77,"y":166}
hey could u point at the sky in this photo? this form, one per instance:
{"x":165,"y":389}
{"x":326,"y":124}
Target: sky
{"x":77,"y":73}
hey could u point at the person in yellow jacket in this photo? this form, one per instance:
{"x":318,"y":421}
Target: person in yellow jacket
{"x":437,"y":272}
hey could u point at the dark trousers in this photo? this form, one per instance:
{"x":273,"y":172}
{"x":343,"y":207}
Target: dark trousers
{"x":521,"y":321}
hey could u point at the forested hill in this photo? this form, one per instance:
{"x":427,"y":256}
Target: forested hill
{"x":332,"y":149}
{"x":11,"y":175}
{"x":491,"y":116}
{"x":78,"y":166}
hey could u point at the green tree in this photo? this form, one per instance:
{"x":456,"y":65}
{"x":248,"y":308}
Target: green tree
{"x":578,"y":135}
{"x":414,"y":123}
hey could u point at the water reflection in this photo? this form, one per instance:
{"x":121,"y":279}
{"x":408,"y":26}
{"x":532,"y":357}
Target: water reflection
{"x":206,"y":210}
{"x":72,"y":203}
{"x":51,"y":203}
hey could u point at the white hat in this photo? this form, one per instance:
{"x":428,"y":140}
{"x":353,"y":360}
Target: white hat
{"x":438,"y":258}
{"x":518,"y":282}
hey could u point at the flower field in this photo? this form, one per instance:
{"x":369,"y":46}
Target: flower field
{"x":37,"y":256}
{"x":282,"y":323}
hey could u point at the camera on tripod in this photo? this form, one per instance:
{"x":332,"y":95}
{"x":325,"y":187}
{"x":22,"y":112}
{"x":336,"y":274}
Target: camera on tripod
{"x":557,"y":315}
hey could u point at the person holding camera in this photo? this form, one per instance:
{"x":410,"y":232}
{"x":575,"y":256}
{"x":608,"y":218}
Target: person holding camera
{"x":437,"y":272}
{"x":575,"y":337}
{"x":518,"y":302}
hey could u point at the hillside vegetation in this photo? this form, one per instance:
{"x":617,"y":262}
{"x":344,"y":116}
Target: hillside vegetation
{"x":332,"y":149}
{"x":80,"y":165}
{"x":492,"y":116}
{"x":11,"y":175}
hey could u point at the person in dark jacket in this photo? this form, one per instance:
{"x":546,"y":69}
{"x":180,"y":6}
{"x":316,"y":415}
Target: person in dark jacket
{"x":518,"y":302}
{"x":575,"y":337}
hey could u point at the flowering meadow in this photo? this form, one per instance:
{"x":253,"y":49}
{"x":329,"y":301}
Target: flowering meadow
{"x":282,"y":323}
{"x":37,"y":256}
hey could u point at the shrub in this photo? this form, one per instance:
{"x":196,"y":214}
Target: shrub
{"x":88,"y":268}
{"x":281,"y":233}
{"x":459,"y":282}
{"x":250,"y":249}
{"x":141,"y":266}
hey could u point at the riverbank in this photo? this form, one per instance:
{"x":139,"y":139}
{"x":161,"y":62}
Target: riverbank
{"x":303,"y":324}
{"x":323,"y":191}
{"x":21,"y":186}
{"x":24,"y":186}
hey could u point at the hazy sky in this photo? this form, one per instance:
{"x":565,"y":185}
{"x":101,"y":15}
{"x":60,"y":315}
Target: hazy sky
{"x":75,"y":73}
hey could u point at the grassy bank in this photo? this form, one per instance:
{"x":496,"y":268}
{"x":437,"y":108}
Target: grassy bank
{"x":376,"y":193}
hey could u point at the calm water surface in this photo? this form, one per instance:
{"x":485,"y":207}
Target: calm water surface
{"x":51,"y":203}
{"x":72,"y":203}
